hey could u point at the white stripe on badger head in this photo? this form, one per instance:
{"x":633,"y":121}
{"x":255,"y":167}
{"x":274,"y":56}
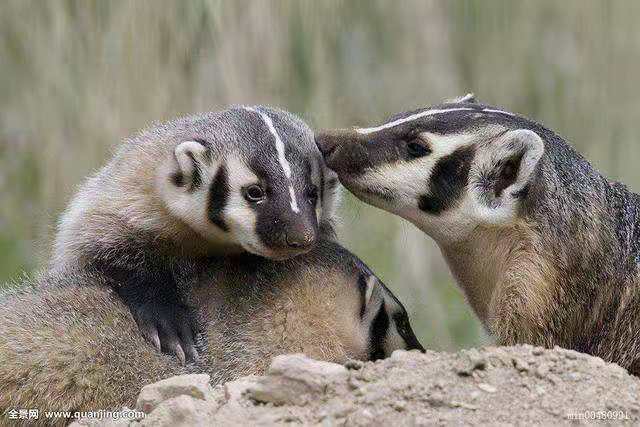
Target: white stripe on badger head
{"x":426,"y":113}
{"x":282,"y":159}
{"x":365,"y":131}
{"x":489,"y":110}
{"x":294,"y":203}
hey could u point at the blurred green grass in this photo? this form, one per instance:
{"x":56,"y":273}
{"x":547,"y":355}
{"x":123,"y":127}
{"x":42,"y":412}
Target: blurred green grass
{"x":78,"y":76}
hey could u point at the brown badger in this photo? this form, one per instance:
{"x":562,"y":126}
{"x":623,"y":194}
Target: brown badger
{"x":70,"y":344}
{"x":546,"y":249}
{"x":246,"y":179}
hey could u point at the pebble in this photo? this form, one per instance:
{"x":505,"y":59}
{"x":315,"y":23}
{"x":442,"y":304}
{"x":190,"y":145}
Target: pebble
{"x":353,"y":364}
{"x":542,"y":370}
{"x":195,"y":386}
{"x":520,"y":364}
{"x":487,"y":387}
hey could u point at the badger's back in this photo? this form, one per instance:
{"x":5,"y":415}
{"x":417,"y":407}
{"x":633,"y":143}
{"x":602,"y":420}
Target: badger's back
{"x":256,"y":309}
{"x":69,"y":344}
{"x":73,"y":348}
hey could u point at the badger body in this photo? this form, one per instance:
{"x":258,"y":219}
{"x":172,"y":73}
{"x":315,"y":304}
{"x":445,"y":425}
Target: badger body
{"x":70,"y":344}
{"x":546,"y":249}
{"x":246,"y":179}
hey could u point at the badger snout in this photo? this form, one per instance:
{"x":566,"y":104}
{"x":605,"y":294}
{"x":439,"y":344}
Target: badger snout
{"x":332,"y":144}
{"x":344,"y":152}
{"x":289,"y":238}
{"x":300,"y":237}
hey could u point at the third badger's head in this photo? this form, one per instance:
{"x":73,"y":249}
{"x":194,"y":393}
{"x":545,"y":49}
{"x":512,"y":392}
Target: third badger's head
{"x":250,"y":178}
{"x":448,"y":168}
{"x":326,"y":303}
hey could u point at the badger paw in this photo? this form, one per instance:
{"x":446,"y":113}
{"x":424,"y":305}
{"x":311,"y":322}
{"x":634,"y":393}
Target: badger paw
{"x":171,"y":328}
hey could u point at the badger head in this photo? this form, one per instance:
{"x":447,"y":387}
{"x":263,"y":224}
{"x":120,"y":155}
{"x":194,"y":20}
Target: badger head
{"x":249,"y":178}
{"x":382,"y":317}
{"x":338,"y":297}
{"x":448,"y":169}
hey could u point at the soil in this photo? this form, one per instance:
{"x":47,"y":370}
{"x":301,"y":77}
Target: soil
{"x":519,"y":385}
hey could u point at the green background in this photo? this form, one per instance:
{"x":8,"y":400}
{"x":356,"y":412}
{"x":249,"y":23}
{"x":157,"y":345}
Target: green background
{"x":78,"y":76}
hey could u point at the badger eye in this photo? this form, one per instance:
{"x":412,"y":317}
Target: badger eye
{"x":254,"y":193}
{"x":312,"y":195}
{"x":417,"y":149}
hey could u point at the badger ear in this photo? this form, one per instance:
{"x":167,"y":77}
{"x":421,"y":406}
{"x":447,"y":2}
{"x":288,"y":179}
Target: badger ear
{"x":469,"y":98}
{"x":518,"y":155}
{"x":191,"y":157}
{"x":370,"y":296}
{"x":509,"y":170}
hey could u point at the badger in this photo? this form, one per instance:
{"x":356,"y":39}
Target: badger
{"x":244,"y":179}
{"x":545,"y":248}
{"x":69,"y":343}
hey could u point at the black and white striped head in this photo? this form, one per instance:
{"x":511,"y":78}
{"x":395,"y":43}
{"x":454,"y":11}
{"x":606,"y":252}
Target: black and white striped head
{"x":369,"y":317}
{"x":249,"y":177}
{"x":447,"y":168}
{"x":383,"y":318}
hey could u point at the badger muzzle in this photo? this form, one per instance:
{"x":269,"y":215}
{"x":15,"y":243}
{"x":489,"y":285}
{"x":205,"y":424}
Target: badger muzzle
{"x":345,"y":151}
{"x":290,"y":236}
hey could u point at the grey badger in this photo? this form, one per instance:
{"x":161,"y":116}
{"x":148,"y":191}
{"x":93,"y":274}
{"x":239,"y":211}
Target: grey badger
{"x":546,"y":249}
{"x":70,"y":344}
{"x":243,"y":179}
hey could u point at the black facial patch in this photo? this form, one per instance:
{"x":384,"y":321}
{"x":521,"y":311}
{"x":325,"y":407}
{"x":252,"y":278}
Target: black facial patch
{"x":218,"y":197}
{"x":362,"y":288}
{"x":401,"y":320}
{"x":377,"y":334}
{"x":177,"y":179}
{"x":447,"y":182}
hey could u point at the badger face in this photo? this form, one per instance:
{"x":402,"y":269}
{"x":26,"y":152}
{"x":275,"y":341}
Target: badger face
{"x":252,"y":179}
{"x":447,"y":169}
{"x":383,"y":318}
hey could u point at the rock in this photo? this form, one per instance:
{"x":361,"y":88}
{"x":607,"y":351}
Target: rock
{"x":399,"y":406}
{"x":571,"y":355}
{"x":235,"y":390}
{"x":475,"y":361}
{"x":196,"y":386}
{"x":406,"y":389}
{"x":182,"y":410}
{"x":353,"y":364}
{"x":295,"y":379}
{"x":542,"y":370}
{"x":520,"y":364}
{"x":487,"y":387}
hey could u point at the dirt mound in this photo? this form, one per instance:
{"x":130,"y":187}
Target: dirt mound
{"x":504,"y":385}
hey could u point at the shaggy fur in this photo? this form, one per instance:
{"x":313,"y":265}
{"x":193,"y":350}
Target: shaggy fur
{"x":69,"y":344}
{"x":546,"y":249}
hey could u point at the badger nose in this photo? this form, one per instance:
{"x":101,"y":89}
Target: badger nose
{"x":298,"y":239}
{"x":329,"y":141}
